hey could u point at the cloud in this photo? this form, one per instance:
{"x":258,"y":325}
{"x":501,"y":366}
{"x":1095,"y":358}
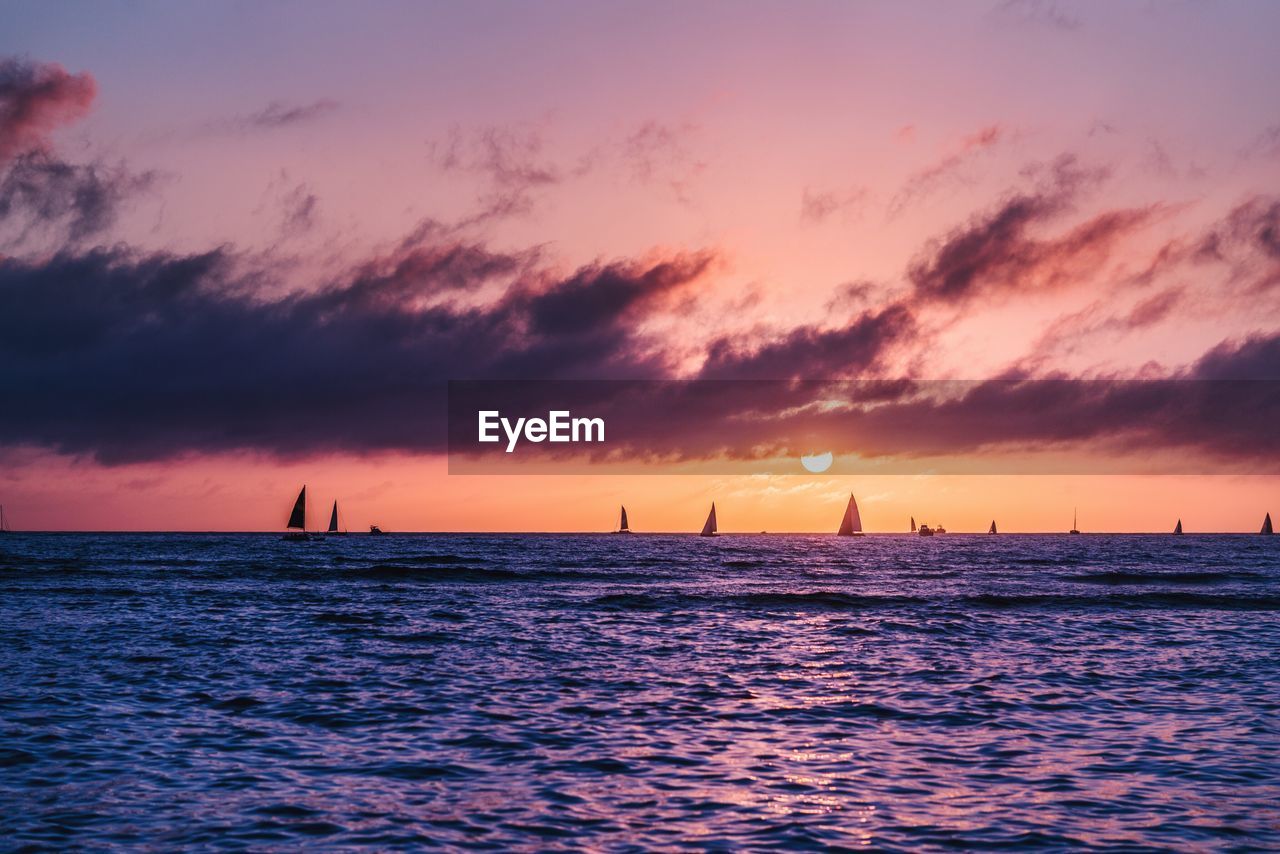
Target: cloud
{"x":42,"y":195}
{"x":816,"y":206}
{"x":999,"y":251}
{"x":129,"y":357}
{"x":659,"y":152}
{"x":510,"y":161}
{"x":280,"y":114}
{"x":1041,"y":12}
{"x":36,"y":99}
{"x":300,"y":209}
{"x":927,"y":181}
{"x":858,"y":348}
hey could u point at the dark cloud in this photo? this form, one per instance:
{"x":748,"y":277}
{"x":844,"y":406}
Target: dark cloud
{"x":131,"y":357}
{"x":40,"y":193}
{"x":1217,"y":413}
{"x":1000,"y":250}
{"x":858,"y":348}
{"x":35,"y":99}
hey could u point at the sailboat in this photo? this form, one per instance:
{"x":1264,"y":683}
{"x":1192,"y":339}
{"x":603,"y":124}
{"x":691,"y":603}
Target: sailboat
{"x":4,"y":529}
{"x":992,"y":529}
{"x":1075,"y":529}
{"x":333,"y":523}
{"x":851,"y":524}
{"x":623,"y":527}
{"x":1266,"y":525}
{"x":913,"y":524}
{"x":298,"y":518}
{"x":709,"y":529}
{"x":1177,"y":529}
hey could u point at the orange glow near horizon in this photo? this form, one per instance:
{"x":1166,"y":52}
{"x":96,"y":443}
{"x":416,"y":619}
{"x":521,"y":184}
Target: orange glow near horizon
{"x":402,"y":493}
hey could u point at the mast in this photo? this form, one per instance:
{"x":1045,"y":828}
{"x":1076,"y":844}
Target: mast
{"x":622,"y":525}
{"x":333,"y":519}
{"x":709,"y":529}
{"x":298,"y":518}
{"x":851,"y":524}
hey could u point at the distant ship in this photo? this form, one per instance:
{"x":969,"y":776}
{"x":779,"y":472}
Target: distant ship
{"x":913,"y":524}
{"x":992,"y":529}
{"x":1075,"y":529}
{"x":1266,"y":525}
{"x":851,"y":524}
{"x":623,"y":527}
{"x":925,"y":530}
{"x":1177,"y":529}
{"x":709,"y":529}
{"x":333,"y":523}
{"x":374,"y":529}
{"x":297,"y":527}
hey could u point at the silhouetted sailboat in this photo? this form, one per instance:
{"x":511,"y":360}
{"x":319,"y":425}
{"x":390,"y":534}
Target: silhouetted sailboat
{"x":333,"y":522}
{"x":4,"y":528}
{"x":1075,"y":529}
{"x":913,"y":524}
{"x":709,"y":529}
{"x":992,"y":529}
{"x":1177,"y":529}
{"x":298,"y":518}
{"x":1266,"y":525}
{"x":623,"y":527}
{"x":851,"y":524}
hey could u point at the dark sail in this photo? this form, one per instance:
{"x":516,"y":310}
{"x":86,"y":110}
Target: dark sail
{"x":1266,"y":525}
{"x":298,"y":518}
{"x":333,"y":519}
{"x":992,"y":529}
{"x":1178,"y":528}
{"x":913,"y":524}
{"x":709,"y":529}
{"x":851,"y":524}
{"x":622,"y":526}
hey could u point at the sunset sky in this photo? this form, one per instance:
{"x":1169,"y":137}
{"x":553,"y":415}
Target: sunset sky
{"x":243,"y":246}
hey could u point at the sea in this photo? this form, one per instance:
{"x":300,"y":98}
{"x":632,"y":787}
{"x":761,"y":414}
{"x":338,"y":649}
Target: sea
{"x":645,"y":692}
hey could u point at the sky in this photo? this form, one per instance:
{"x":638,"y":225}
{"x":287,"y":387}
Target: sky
{"x":245,"y":246}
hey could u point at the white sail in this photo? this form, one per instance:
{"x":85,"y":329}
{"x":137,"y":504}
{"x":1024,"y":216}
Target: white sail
{"x":851,"y":524}
{"x":709,"y":529}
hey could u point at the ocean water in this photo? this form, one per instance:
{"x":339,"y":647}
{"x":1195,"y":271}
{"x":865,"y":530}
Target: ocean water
{"x":669,"y":692}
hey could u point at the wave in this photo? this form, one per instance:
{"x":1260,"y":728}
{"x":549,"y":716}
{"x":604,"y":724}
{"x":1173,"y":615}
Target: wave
{"x":836,"y":600}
